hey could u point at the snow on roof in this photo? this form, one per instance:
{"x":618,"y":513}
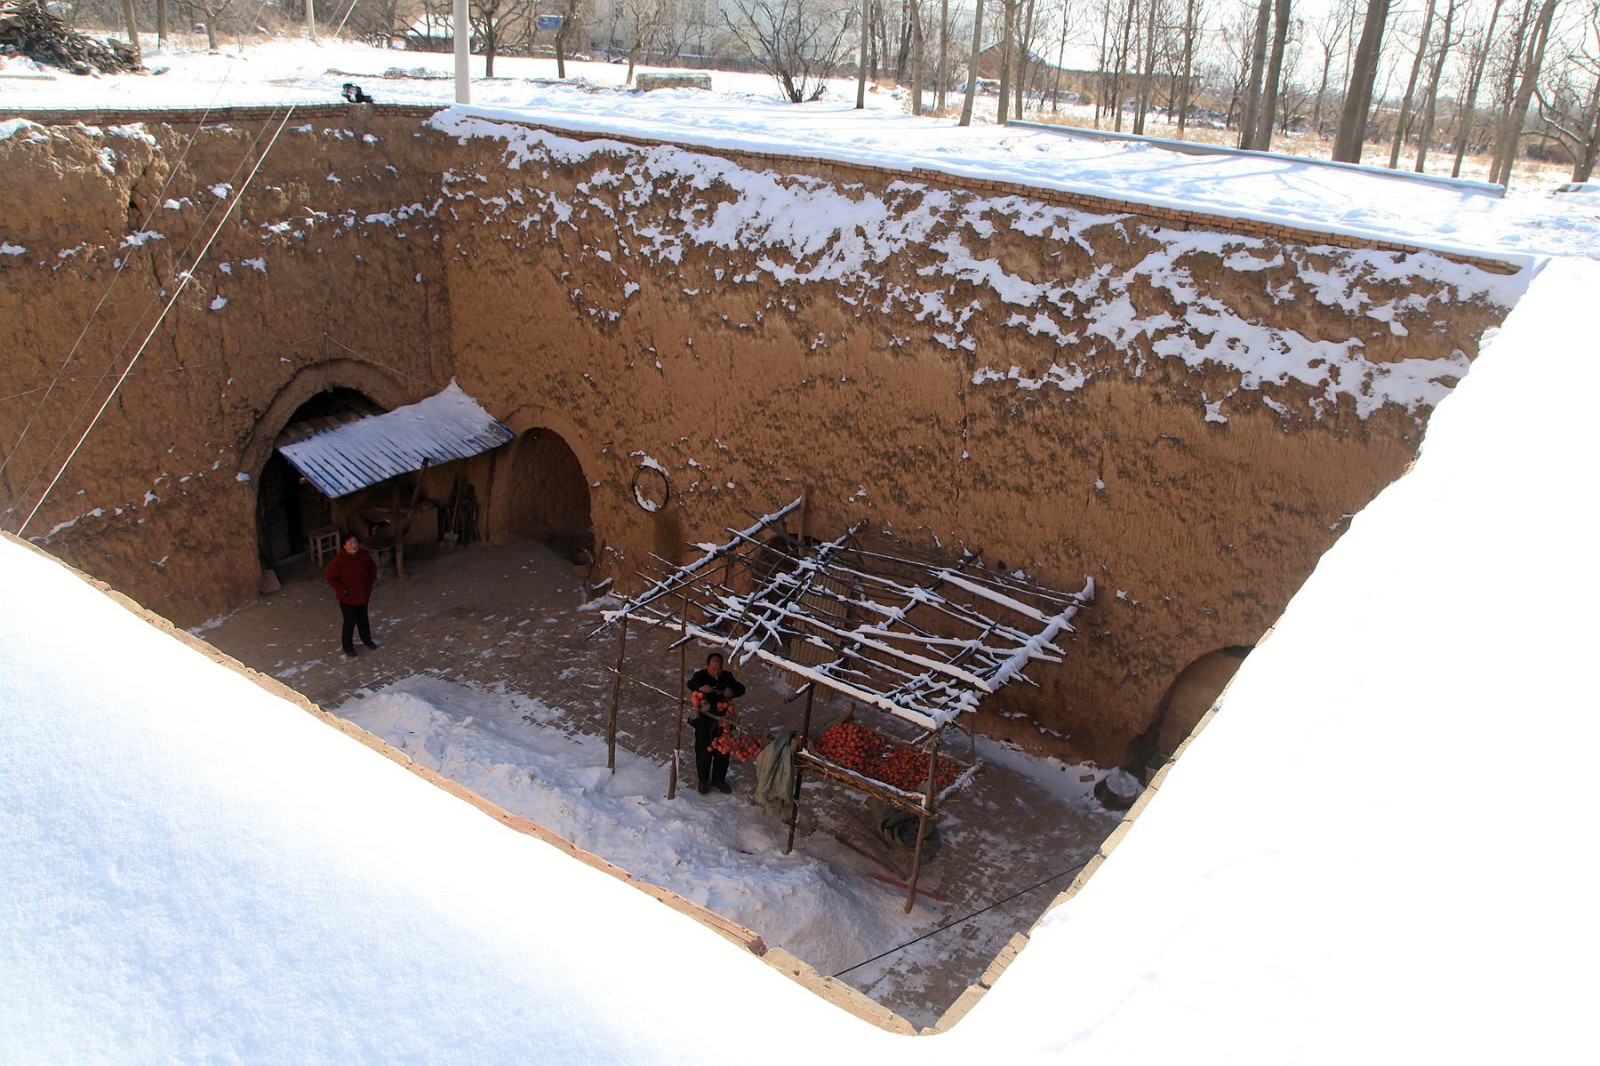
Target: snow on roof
{"x":1375,"y":847}
{"x":351,"y":456}
{"x":919,"y":638}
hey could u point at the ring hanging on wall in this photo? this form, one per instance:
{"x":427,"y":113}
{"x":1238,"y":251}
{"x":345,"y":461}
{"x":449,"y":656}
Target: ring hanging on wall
{"x":651,"y":489}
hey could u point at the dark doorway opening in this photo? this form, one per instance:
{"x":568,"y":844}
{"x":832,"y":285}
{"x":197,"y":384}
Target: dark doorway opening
{"x":546,"y":494}
{"x":288,"y":507}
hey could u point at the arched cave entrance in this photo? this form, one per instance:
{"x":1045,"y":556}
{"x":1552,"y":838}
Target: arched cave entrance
{"x":545,"y":493}
{"x":1192,"y":694}
{"x":288,"y":507}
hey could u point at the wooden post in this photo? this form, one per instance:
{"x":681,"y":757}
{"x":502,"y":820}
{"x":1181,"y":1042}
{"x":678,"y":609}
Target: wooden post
{"x":922,"y":821}
{"x":805,"y":735}
{"x":683,"y":688}
{"x":616,"y":696}
{"x":399,"y":538}
{"x":402,"y":522}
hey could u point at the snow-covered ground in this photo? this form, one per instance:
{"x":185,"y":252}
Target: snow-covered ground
{"x":1371,"y":853}
{"x":743,"y":112}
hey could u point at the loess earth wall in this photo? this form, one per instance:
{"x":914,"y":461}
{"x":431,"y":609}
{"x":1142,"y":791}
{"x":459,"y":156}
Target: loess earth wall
{"x":1186,"y":409}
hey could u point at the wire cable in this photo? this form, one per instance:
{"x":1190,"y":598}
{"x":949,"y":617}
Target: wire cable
{"x":183,"y":283}
{"x":964,"y":918}
{"x":122,"y":264}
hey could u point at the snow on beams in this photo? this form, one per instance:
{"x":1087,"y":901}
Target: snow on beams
{"x":912,"y":635}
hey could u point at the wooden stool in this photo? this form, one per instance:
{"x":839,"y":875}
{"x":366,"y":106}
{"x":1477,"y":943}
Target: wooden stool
{"x":322,"y":545}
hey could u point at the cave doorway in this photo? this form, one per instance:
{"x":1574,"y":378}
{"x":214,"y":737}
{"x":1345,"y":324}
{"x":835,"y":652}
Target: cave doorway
{"x":289,"y":507}
{"x":1194,"y":692}
{"x":545,"y":495}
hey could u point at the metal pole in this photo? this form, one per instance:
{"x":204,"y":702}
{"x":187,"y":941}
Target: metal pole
{"x":683,"y":686}
{"x":922,"y":822}
{"x":311,"y":19}
{"x":616,"y":697}
{"x":805,"y":735}
{"x":463,"y":32}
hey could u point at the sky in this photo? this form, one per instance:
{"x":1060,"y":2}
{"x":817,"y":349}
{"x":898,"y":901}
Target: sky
{"x":1375,"y":850}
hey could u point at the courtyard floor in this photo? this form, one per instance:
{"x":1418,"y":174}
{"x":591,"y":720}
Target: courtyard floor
{"x":487,"y":672}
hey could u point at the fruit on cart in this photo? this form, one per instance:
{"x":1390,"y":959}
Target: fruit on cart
{"x":871,"y":754}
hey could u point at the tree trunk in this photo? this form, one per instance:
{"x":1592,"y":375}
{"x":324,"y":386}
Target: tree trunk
{"x":972,"y":67}
{"x":939,"y":99}
{"x":132,"y":26}
{"x":1511,"y":131}
{"x":1430,"y":102}
{"x":1411,"y":87}
{"x":1258,"y":65}
{"x":1010,"y":24}
{"x":1262,"y":141}
{"x":916,"y":58}
{"x":1024,"y":52}
{"x":161,"y":23}
{"x":1122,"y":60}
{"x":1188,"y":66}
{"x":1352,"y":132}
{"x":1147,"y":70}
{"x":861,"y":57}
{"x":1469,"y":109}
{"x":1583,"y":166}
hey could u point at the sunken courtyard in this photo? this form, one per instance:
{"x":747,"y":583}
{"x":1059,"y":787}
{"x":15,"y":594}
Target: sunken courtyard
{"x":1143,"y":423}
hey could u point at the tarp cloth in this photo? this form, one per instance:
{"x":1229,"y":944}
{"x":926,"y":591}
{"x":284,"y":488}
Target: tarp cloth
{"x":775,"y":775}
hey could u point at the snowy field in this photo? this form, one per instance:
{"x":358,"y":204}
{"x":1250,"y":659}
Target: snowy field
{"x":744,"y":112}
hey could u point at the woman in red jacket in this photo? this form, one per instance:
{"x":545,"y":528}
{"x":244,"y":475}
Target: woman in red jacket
{"x":352,"y":574}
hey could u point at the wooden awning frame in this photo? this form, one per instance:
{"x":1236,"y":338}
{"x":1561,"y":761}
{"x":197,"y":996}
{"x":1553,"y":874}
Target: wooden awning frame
{"x":950,"y":635}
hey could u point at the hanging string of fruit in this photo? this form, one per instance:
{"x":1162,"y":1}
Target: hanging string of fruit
{"x":731,"y":743}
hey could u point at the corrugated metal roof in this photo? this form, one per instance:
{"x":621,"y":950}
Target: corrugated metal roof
{"x":347,"y":458}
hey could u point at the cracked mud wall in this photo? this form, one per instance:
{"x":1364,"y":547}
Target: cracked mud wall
{"x":1187,"y":416}
{"x":326,"y":275}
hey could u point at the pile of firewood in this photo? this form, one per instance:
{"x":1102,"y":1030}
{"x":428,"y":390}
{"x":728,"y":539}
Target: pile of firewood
{"x":28,"y":28}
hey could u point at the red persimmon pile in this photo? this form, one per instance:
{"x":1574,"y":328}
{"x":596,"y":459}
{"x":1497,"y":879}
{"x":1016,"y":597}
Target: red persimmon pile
{"x":871,"y":754}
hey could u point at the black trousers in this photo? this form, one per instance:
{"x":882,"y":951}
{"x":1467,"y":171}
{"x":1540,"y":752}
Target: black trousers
{"x":710,"y":765}
{"x":355,"y":617}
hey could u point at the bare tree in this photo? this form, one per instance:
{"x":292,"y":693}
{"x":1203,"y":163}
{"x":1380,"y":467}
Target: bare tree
{"x":972,"y":65}
{"x":643,"y":21}
{"x":1191,"y":23}
{"x":1352,"y":132}
{"x":1430,"y":99}
{"x":1262,"y":140}
{"x":1510,"y":133}
{"x":569,"y":18}
{"x":799,"y":42}
{"x":1411,"y":86}
{"x":1571,"y":110}
{"x":1258,"y":66}
{"x":1007,"y":36}
{"x":1330,"y":31}
{"x":496,"y":22}
{"x":1479,"y":62}
{"x":943,"y":76}
{"x":211,"y":12}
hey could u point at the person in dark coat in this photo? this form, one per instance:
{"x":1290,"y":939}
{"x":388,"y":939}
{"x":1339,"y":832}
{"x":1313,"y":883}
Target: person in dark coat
{"x":352,"y":574}
{"x":712,"y":692}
